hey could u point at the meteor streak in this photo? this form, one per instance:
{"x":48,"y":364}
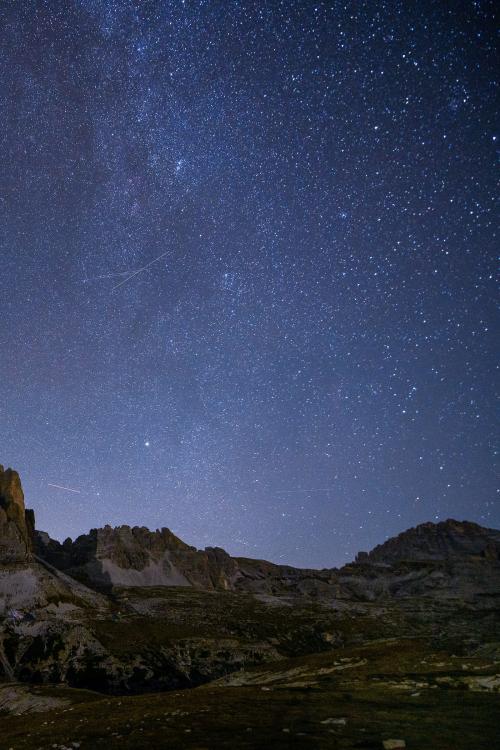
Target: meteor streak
{"x":109,"y":275}
{"x":60,"y":487}
{"x":139,"y":271}
{"x":292,"y":492}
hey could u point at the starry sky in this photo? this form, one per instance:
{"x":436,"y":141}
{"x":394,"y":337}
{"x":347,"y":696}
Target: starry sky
{"x":247,"y":264}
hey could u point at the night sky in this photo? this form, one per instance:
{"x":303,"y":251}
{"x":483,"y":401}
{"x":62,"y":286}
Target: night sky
{"x":303,"y":364}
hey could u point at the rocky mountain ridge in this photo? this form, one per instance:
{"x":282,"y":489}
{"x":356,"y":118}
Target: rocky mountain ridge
{"x":127,"y":610}
{"x":451,"y":558}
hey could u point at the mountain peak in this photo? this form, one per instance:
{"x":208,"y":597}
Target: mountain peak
{"x":437,"y":541}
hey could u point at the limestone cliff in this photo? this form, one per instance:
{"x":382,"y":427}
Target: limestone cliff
{"x":16,"y":523}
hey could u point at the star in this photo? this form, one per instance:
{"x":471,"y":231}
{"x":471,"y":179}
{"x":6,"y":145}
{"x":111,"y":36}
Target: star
{"x":246,"y":235}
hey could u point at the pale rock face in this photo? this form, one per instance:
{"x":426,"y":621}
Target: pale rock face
{"x":32,"y":587}
{"x":18,"y":699}
{"x":16,"y":524}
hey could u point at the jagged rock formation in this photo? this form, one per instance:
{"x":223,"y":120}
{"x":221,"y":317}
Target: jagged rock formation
{"x":125,"y":556}
{"x":16,"y":523}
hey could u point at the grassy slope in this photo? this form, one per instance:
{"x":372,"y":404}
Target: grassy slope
{"x":370,"y":697}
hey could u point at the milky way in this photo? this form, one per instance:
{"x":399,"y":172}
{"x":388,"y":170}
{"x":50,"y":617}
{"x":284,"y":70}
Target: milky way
{"x":247,"y":257}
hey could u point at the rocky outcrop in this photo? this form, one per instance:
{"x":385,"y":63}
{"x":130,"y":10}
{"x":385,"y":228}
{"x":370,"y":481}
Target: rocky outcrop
{"x":448,"y":540}
{"x":125,"y":556}
{"x":451,"y":560}
{"x":114,"y":556}
{"x":16,"y":523}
